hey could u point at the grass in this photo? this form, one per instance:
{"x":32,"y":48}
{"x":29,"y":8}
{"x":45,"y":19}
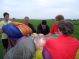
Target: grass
{"x":1,"y":50}
{"x":50,"y":23}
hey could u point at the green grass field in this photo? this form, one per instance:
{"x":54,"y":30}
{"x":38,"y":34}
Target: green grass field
{"x":50,"y":23}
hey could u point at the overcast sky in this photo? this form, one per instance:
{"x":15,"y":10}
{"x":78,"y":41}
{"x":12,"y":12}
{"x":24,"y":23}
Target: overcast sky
{"x":40,"y":8}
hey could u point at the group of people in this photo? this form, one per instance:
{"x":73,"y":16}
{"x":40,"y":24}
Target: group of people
{"x":42,"y":28}
{"x":22,"y":41}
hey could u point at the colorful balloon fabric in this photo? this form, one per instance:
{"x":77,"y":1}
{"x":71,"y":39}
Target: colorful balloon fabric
{"x":12,"y":31}
{"x":16,"y":30}
{"x":25,"y":29}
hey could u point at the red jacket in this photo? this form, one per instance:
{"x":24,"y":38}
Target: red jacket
{"x":54,"y":29}
{"x":63,"y":47}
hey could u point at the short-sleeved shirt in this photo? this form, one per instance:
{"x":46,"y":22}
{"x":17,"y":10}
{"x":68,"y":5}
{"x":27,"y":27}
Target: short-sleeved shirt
{"x":2,"y":23}
{"x":54,"y":29}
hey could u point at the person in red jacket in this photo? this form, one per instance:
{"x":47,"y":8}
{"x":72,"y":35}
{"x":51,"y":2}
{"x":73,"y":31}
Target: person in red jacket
{"x":63,"y":47}
{"x":54,"y":29}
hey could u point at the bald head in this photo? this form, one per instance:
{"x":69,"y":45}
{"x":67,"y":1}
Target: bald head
{"x":26,"y":19}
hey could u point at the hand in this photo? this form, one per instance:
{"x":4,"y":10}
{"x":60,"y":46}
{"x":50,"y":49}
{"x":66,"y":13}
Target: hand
{"x":49,"y":34}
{"x":34,"y":35}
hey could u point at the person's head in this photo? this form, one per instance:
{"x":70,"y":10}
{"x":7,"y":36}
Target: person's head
{"x":40,"y":40}
{"x":26,"y":19}
{"x":59,"y":17}
{"x":44,"y":22}
{"x":6,"y":16}
{"x":65,"y":27}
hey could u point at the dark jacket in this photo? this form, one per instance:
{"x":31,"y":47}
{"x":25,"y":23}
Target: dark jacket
{"x":42,"y":30}
{"x":32,"y":27}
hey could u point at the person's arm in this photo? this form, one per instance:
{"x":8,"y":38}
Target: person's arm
{"x":32,"y":27}
{"x":51,"y":31}
{"x":38,"y":29}
{"x":49,"y":34}
{"x":48,"y":29}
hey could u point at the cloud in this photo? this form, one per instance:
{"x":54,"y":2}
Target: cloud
{"x":40,"y":8}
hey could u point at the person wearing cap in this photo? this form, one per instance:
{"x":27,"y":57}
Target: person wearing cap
{"x":63,"y":47}
{"x":43,"y":28}
{"x":4,"y":37}
{"x":25,"y":46}
{"x":26,"y":21}
{"x":54,"y":29}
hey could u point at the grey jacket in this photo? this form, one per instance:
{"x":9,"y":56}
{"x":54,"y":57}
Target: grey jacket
{"x":24,"y":49}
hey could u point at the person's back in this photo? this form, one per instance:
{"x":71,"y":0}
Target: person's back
{"x":24,"y":49}
{"x":63,"y":47}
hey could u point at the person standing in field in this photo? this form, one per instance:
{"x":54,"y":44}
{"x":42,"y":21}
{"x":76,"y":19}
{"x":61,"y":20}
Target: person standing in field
{"x":43,"y":28}
{"x":4,"y":37}
{"x":63,"y":47}
{"x":26,"y":21}
{"x":54,"y":29}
